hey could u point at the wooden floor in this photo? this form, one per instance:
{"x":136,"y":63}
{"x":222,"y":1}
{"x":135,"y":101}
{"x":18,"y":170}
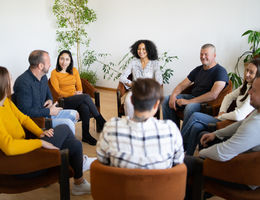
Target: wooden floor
{"x":108,"y":110}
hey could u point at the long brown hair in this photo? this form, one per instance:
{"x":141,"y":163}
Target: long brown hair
{"x":256,"y":63}
{"x":5,"y":85}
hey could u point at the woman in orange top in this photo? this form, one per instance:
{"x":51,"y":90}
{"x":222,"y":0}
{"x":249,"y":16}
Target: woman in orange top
{"x":66,"y":82}
{"x":13,"y":142}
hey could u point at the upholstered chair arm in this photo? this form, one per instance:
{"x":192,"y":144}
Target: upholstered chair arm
{"x":36,"y":160}
{"x":243,"y":169}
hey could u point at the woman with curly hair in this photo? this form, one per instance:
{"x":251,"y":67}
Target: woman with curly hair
{"x":144,"y":65}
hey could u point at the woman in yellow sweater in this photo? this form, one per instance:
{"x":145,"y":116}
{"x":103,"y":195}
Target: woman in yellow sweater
{"x":12,"y":135}
{"x":66,"y":82}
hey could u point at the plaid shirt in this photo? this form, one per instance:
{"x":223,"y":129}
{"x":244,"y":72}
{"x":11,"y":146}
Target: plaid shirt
{"x":153,"y":144}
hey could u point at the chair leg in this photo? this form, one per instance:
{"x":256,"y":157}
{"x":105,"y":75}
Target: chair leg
{"x":64,"y":176}
{"x":118,"y":100}
{"x":157,"y":114}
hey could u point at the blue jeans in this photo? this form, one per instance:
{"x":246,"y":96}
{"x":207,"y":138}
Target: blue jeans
{"x":169,"y":113}
{"x":67,"y":117}
{"x":197,"y":123}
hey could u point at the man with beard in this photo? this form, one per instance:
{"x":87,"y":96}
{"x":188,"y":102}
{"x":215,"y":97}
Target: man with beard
{"x":33,"y":97}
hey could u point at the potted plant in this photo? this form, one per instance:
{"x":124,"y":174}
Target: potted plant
{"x":253,"y":52}
{"x":72,"y":19}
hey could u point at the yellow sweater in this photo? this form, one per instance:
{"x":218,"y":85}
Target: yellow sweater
{"x":66,"y":84}
{"x":12,"y":135}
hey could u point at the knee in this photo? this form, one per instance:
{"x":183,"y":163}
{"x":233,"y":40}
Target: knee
{"x":195,"y":116}
{"x":87,"y":98}
{"x":73,"y":115}
{"x":63,"y":129}
{"x":76,"y":146}
{"x":83,"y":108}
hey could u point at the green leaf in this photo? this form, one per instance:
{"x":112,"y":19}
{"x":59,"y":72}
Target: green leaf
{"x":247,"y":32}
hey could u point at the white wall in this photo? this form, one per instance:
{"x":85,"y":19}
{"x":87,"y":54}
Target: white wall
{"x":180,"y":27}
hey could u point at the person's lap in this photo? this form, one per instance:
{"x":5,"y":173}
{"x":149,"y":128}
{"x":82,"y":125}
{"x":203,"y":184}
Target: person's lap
{"x":67,"y":117}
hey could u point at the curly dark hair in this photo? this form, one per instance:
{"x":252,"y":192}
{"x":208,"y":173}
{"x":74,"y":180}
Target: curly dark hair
{"x":70,"y":67}
{"x":150,"y":49}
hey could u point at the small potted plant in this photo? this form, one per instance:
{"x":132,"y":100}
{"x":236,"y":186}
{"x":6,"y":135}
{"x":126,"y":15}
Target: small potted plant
{"x":253,"y":52}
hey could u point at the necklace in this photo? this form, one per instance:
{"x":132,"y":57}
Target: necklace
{"x":139,"y":119}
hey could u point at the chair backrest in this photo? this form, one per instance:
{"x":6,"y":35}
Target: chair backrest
{"x":112,"y":183}
{"x":221,"y":95}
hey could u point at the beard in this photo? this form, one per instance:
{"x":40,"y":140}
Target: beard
{"x":45,"y":70}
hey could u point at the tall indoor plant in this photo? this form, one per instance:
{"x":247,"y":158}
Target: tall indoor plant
{"x":72,"y":18}
{"x":253,"y":52}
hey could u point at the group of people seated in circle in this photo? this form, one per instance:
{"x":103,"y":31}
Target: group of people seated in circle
{"x":138,"y":140}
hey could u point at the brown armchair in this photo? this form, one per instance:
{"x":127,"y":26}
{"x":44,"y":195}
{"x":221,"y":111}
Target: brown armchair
{"x":224,"y":178}
{"x":55,"y":166}
{"x":211,"y":107}
{"x":120,"y":92}
{"x":112,"y":183}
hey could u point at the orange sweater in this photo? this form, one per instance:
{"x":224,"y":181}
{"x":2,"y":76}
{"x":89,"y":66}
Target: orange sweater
{"x":66,"y":84}
{"x":12,"y":135}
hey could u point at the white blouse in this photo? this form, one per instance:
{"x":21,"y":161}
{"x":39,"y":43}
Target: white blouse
{"x":152,"y":70}
{"x":243,"y":108}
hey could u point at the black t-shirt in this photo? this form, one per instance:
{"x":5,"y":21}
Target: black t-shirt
{"x":205,"y":79}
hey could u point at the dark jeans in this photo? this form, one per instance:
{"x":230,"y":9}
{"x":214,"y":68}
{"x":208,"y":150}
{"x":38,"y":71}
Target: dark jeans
{"x":194,"y":183}
{"x":85,"y":106}
{"x":63,"y":138}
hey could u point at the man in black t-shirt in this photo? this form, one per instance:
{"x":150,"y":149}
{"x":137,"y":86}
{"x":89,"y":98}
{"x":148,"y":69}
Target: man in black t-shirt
{"x":209,"y":80}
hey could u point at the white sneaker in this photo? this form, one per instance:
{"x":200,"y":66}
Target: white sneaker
{"x":83,"y":188}
{"x":87,"y":162}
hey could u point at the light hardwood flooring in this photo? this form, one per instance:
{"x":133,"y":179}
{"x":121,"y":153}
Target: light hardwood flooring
{"x":108,"y":110}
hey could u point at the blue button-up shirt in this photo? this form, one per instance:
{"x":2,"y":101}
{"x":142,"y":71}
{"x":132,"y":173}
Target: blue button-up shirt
{"x":30,"y":94}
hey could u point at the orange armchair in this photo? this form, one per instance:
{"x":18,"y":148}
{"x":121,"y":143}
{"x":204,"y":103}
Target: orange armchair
{"x":112,"y":183}
{"x":223,"y":178}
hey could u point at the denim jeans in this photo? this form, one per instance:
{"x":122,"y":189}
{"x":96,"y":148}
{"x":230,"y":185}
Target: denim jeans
{"x":169,"y":113}
{"x":67,"y":117}
{"x":197,"y":123}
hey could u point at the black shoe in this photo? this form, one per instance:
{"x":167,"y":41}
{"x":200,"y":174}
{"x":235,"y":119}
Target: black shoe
{"x":90,"y":140}
{"x":100,"y":123}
